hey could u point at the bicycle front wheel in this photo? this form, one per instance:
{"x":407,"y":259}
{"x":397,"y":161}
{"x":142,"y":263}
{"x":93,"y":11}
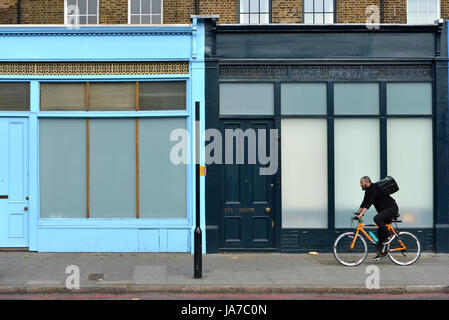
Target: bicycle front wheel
{"x":404,"y":249}
{"x":347,"y":256}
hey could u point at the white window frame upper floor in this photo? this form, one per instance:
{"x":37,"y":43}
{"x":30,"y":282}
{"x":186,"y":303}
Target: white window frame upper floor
{"x":410,"y":20}
{"x":253,"y":11}
{"x":68,"y":12}
{"x":145,"y":14}
{"x":316,"y":11}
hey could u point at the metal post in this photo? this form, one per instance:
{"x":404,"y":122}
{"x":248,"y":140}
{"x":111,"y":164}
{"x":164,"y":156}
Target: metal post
{"x":198,"y":268}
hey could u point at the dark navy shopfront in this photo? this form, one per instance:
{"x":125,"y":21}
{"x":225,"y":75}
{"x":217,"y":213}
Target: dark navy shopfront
{"x":326,"y":91}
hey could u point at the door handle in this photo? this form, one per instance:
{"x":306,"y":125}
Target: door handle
{"x":3,"y":197}
{"x":26,"y":208}
{"x":267,"y":210}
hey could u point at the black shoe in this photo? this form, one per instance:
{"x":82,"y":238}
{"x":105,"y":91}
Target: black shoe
{"x":376,"y":258}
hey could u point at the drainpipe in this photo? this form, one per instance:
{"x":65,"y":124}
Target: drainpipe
{"x":382,"y":9}
{"x":197,"y":7}
{"x":18,"y":11}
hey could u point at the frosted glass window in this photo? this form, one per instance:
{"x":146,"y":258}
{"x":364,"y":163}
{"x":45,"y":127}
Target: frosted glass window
{"x":162,"y":95}
{"x":409,"y":98}
{"x":112,"y":96}
{"x":246,"y":99}
{"x":162,"y":184}
{"x":356,"y":98}
{"x":14,"y":96}
{"x":112,"y":168}
{"x":357,"y":154}
{"x":304,"y":173}
{"x":303,"y":98}
{"x":62,"y":161}
{"x":410,"y":162}
{"x":63,"y":96}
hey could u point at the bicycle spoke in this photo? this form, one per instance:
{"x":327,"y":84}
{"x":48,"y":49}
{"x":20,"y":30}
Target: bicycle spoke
{"x":346,"y":255}
{"x":404,"y":249}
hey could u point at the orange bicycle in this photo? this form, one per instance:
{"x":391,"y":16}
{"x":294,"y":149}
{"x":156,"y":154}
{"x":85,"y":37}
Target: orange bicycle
{"x":351,"y":249}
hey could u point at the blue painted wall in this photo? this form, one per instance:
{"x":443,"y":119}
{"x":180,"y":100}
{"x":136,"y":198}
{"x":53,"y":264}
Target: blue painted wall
{"x":123,"y":43}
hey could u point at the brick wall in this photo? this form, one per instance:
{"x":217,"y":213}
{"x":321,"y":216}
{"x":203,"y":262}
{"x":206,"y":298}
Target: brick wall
{"x":395,"y":11}
{"x":42,"y":11}
{"x":286,"y":11}
{"x":179,"y":11}
{"x":445,"y":9}
{"x":8,"y":11}
{"x":113,"y":12}
{"x":354,"y":11}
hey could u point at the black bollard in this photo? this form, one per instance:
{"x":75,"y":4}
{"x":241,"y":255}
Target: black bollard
{"x":198,"y":265}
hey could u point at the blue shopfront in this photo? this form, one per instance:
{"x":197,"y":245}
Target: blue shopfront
{"x":91,"y":120}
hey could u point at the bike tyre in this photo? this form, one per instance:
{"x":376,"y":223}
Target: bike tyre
{"x":340,"y":258}
{"x":408,"y":263}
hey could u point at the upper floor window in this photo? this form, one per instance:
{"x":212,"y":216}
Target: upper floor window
{"x":81,"y":11}
{"x":422,"y":11}
{"x":255,"y":11}
{"x":319,"y":11}
{"x":145,"y":11}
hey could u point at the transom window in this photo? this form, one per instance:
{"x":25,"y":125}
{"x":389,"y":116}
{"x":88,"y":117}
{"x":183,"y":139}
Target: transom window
{"x":81,"y":11}
{"x":319,"y":11}
{"x":145,"y":11}
{"x":255,"y":11}
{"x":422,"y":11}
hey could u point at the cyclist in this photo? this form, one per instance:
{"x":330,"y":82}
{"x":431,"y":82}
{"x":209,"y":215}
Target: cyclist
{"x":386,"y":208}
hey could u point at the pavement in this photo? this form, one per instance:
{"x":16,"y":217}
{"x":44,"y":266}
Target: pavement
{"x":118,"y":273}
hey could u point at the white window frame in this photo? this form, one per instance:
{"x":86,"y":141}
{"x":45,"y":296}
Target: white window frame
{"x":318,"y":13}
{"x":87,"y":5}
{"x":438,"y":11}
{"x":258,"y":13}
{"x":140,"y":14}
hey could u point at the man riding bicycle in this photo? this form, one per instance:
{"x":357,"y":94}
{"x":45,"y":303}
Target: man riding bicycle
{"x":386,"y":208}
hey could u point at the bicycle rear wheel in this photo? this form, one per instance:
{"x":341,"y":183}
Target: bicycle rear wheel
{"x":407,"y":256}
{"x":343,"y":252}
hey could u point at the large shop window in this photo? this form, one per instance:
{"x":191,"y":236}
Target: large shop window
{"x":410,"y":152}
{"x":423,"y":11}
{"x":14,"y":96}
{"x":145,"y":11}
{"x":255,"y":11}
{"x":304,"y":173}
{"x":81,"y":11}
{"x":110,"y":167}
{"x":304,"y":156}
{"x":357,"y":154}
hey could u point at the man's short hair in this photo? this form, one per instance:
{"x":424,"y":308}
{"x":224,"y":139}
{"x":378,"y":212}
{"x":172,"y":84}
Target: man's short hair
{"x":366,"y":178}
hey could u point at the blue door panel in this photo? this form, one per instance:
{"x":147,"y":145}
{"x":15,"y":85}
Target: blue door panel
{"x":13,"y":182}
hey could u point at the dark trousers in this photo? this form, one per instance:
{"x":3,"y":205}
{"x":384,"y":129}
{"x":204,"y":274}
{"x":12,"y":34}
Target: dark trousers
{"x":382,"y":218}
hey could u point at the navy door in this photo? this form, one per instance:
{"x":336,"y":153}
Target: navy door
{"x":247,"y":196}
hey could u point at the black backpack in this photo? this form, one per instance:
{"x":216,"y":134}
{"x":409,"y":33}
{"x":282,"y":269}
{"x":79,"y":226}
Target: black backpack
{"x":387,"y":185}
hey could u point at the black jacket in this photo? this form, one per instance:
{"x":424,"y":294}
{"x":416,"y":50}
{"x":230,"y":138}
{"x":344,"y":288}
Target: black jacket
{"x":374,"y":196}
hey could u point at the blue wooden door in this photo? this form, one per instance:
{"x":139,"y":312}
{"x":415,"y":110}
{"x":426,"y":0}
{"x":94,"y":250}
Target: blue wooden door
{"x":247,"y":197}
{"x":13,"y":182}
